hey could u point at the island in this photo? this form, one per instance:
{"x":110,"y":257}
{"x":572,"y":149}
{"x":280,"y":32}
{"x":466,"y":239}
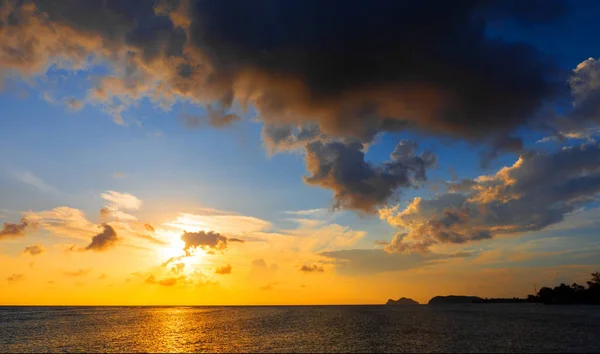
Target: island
{"x":559,"y":295}
{"x":455,"y":299}
{"x":402,"y":301}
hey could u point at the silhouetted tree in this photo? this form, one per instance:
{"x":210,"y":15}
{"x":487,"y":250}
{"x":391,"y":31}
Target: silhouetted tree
{"x":546,"y":295}
{"x":593,"y":291}
{"x":574,"y":294}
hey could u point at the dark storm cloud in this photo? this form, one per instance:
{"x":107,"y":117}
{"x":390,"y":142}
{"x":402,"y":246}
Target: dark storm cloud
{"x":356,"y":183}
{"x":311,"y":269}
{"x":103,"y":240}
{"x":539,"y":190}
{"x":10,"y":230}
{"x":355,"y":68}
{"x":314,"y":71}
{"x":358,"y":68}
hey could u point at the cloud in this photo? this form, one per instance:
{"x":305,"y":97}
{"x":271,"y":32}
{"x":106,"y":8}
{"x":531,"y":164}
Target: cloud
{"x":117,"y":203}
{"x":118,"y":175}
{"x":178,"y":268}
{"x":582,"y":119}
{"x":260,"y":271}
{"x":359,"y":185}
{"x":361,"y":261}
{"x":311,"y":269}
{"x":102,"y":276}
{"x":64,"y":222}
{"x":312,"y":218}
{"x":14,"y":278}
{"x":32,"y":180}
{"x":105,"y":213}
{"x":194,"y":278}
{"x":278,"y":137}
{"x":213,"y":117}
{"x":259,"y":263}
{"x":77,"y":273}
{"x":209,"y":241}
{"x":34,"y":250}
{"x":353,"y":77}
{"x":71,"y":222}
{"x":73,"y":104}
{"x":224,"y":270}
{"x":535,"y":192}
{"x":319,"y":212}
{"x":220,"y":221}
{"x":10,"y":230}
{"x":139,"y":230}
{"x":104,"y":240}
{"x":122,"y":200}
{"x":312,"y":238}
{"x":164,"y":282}
{"x":269,"y":286}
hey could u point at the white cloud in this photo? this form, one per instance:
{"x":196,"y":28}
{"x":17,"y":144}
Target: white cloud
{"x":122,"y":200}
{"x":309,"y":212}
{"x":214,"y":220}
{"x":63,"y":221}
{"x":118,"y":201}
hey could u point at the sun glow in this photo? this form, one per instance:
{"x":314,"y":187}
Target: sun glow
{"x":174,"y":252}
{"x":175,"y":246}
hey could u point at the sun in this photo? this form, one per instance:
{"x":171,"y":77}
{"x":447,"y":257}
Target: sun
{"x":174,"y":247}
{"x":175,"y":250}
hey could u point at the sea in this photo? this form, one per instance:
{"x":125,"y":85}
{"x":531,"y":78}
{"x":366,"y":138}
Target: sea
{"x":410,"y":328}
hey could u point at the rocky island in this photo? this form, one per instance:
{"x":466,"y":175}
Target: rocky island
{"x":455,"y":299}
{"x":402,"y":301}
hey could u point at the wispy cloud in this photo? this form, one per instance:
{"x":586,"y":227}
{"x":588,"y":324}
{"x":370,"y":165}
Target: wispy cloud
{"x":219,"y":221}
{"x":77,"y":273}
{"x":33,"y":180}
{"x":318,"y":212}
{"x":15,"y":278}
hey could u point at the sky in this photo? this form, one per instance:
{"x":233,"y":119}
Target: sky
{"x":268,"y":152}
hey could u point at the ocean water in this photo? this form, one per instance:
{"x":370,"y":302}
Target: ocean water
{"x":452,"y":328}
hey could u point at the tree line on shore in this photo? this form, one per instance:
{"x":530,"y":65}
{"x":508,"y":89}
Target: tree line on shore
{"x":561,"y":294}
{"x":571,"y":294}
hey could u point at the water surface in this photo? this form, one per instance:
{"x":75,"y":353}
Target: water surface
{"x":452,"y":328}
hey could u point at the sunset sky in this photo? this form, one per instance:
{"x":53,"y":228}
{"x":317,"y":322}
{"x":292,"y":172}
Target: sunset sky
{"x":296,"y":152}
